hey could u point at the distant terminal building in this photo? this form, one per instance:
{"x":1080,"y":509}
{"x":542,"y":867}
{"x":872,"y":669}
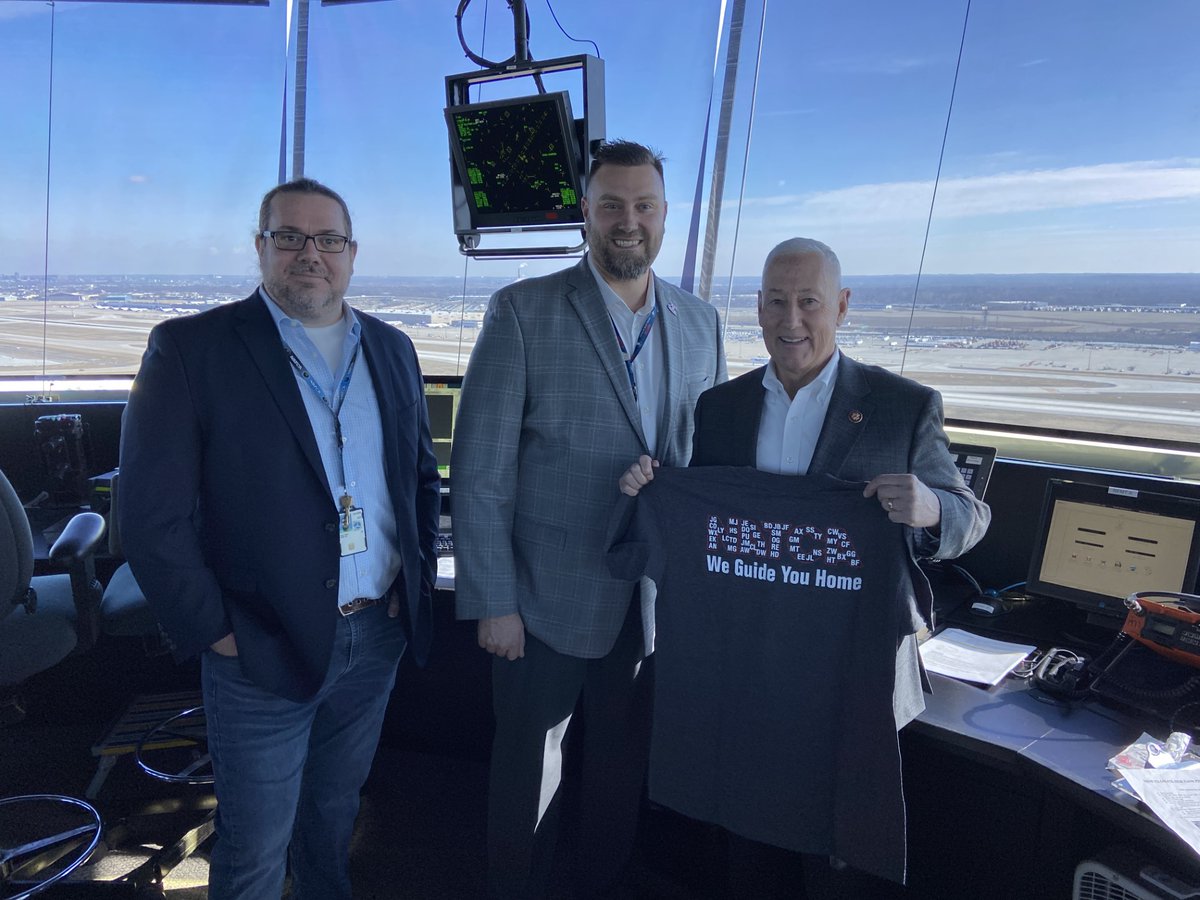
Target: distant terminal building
{"x":405,"y":318}
{"x":125,"y":301}
{"x":469,"y":319}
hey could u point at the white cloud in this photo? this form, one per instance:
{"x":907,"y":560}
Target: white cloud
{"x":24,"y":9}
{"x":879,"y":65}
{"x":799,"y":111}
{"x":1135,"y":218}
{"x":998,"y":194}
{"x":13,"y":10}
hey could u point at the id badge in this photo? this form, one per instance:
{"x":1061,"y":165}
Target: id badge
{"x":352,"y":531}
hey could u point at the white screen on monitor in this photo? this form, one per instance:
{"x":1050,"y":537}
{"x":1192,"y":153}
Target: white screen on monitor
{"x":1115,"y":552}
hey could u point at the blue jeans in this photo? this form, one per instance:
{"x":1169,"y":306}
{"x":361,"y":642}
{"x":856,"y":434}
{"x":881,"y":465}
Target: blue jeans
{"x":288,"y":773}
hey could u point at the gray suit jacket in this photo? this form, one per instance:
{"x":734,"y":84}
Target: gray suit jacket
{"x":877,"y":423}
{"x":546,"y":425}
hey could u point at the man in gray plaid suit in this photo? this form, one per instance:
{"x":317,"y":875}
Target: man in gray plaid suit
{"x":574,"y":374}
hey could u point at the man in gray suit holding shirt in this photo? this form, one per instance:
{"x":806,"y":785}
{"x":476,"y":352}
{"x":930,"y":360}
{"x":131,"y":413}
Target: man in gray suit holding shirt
{"x":574,"y":374}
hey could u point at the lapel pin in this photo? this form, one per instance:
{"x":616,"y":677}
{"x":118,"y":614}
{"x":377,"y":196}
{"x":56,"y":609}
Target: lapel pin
{"x":855,"y":416}
{"x":671,"y":308}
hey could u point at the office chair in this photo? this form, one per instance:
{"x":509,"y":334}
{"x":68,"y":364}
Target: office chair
{"x":46,"y":836}
{"x":61,"y":612}
{"x":124,"y":610}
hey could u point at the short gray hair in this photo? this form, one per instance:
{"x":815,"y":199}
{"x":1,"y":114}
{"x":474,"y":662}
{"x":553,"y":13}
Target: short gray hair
{"x":800,"y":246}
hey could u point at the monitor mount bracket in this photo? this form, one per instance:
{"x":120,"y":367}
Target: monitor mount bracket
{"x":589,"y":132}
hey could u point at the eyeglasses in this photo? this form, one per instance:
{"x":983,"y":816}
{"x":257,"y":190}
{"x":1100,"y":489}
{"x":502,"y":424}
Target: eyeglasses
{"x":295,"y":240}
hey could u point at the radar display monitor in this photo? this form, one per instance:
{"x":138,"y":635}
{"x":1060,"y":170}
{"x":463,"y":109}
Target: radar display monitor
{"x":441,"y":398}
{"x":518,"y":161}
{"x":1097,"y":544}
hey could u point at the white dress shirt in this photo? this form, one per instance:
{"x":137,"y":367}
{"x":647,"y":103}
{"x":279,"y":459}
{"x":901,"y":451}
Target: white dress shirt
{"x":787,"y":437}
{"x":790,"y":426}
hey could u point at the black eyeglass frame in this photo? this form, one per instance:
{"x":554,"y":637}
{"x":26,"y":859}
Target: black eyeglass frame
{"x":315,"y":238}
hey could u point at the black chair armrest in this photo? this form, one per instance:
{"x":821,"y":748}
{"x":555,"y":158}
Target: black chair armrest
{"x":74,"y":551}
{"x":78,"y":540}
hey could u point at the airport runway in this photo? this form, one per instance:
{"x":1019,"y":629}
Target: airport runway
{"x":1148,"y":391}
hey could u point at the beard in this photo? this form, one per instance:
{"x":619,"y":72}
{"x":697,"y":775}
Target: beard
{"x":624,"y":265}
{"x":301,"y":300}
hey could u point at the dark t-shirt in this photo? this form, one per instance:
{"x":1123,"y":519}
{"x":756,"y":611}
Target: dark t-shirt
{"x":780,"y":603}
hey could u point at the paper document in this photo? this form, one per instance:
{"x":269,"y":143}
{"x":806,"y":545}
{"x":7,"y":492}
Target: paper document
{"x":1173,"y":793}
{"x":960,"y":654}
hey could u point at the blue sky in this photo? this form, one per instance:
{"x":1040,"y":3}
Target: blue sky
{"x":1074,"y":145}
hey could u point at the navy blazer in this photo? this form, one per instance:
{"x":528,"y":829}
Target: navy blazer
{"x":225,"y":513}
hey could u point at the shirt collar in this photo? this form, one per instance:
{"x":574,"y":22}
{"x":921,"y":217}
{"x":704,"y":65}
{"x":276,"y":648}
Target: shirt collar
{"x":617,"y":306}
{"x":282,"y":320}
{"x":821,"y":386}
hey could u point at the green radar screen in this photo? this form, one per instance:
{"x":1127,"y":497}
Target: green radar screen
{"x":518,"y":160}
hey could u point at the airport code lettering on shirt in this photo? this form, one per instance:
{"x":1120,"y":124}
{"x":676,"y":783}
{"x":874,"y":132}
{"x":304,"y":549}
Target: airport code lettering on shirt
{"x":758,"y":550}
{"x":780,"y":604}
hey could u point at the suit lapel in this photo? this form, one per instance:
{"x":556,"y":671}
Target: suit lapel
{"x":383,"y":379}
{"x":257,"y":330}
{"x":849,"y":411}
{"x":743,"y":435}
{"x":672,"y":338}
{"x":584,"y":296}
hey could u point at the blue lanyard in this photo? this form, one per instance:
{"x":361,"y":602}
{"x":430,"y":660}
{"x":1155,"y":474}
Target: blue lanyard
{"x":316,"y":388}
{"x":637,"y":348}
{"x":321,"y":395}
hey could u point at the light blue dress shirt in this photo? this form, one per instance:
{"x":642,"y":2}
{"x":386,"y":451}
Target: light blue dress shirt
{"x":372,"y":572}
{"x":650,"y":367}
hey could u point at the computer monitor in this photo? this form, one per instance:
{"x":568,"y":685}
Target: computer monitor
{"x":1097,"y":544}
{"x":975,"y":463}
{"x":441,"y":397}
{"x":518,"y":161}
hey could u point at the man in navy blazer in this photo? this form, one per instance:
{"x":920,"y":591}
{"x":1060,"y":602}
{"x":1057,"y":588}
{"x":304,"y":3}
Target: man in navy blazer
{"x":813,"y":410}
{"x":279,"y":505}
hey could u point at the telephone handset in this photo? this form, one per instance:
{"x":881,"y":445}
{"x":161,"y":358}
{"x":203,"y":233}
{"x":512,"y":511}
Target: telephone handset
{"x":1061,"y":672}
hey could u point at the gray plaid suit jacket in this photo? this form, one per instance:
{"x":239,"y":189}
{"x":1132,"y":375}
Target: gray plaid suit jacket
{"x":546,"y":425}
